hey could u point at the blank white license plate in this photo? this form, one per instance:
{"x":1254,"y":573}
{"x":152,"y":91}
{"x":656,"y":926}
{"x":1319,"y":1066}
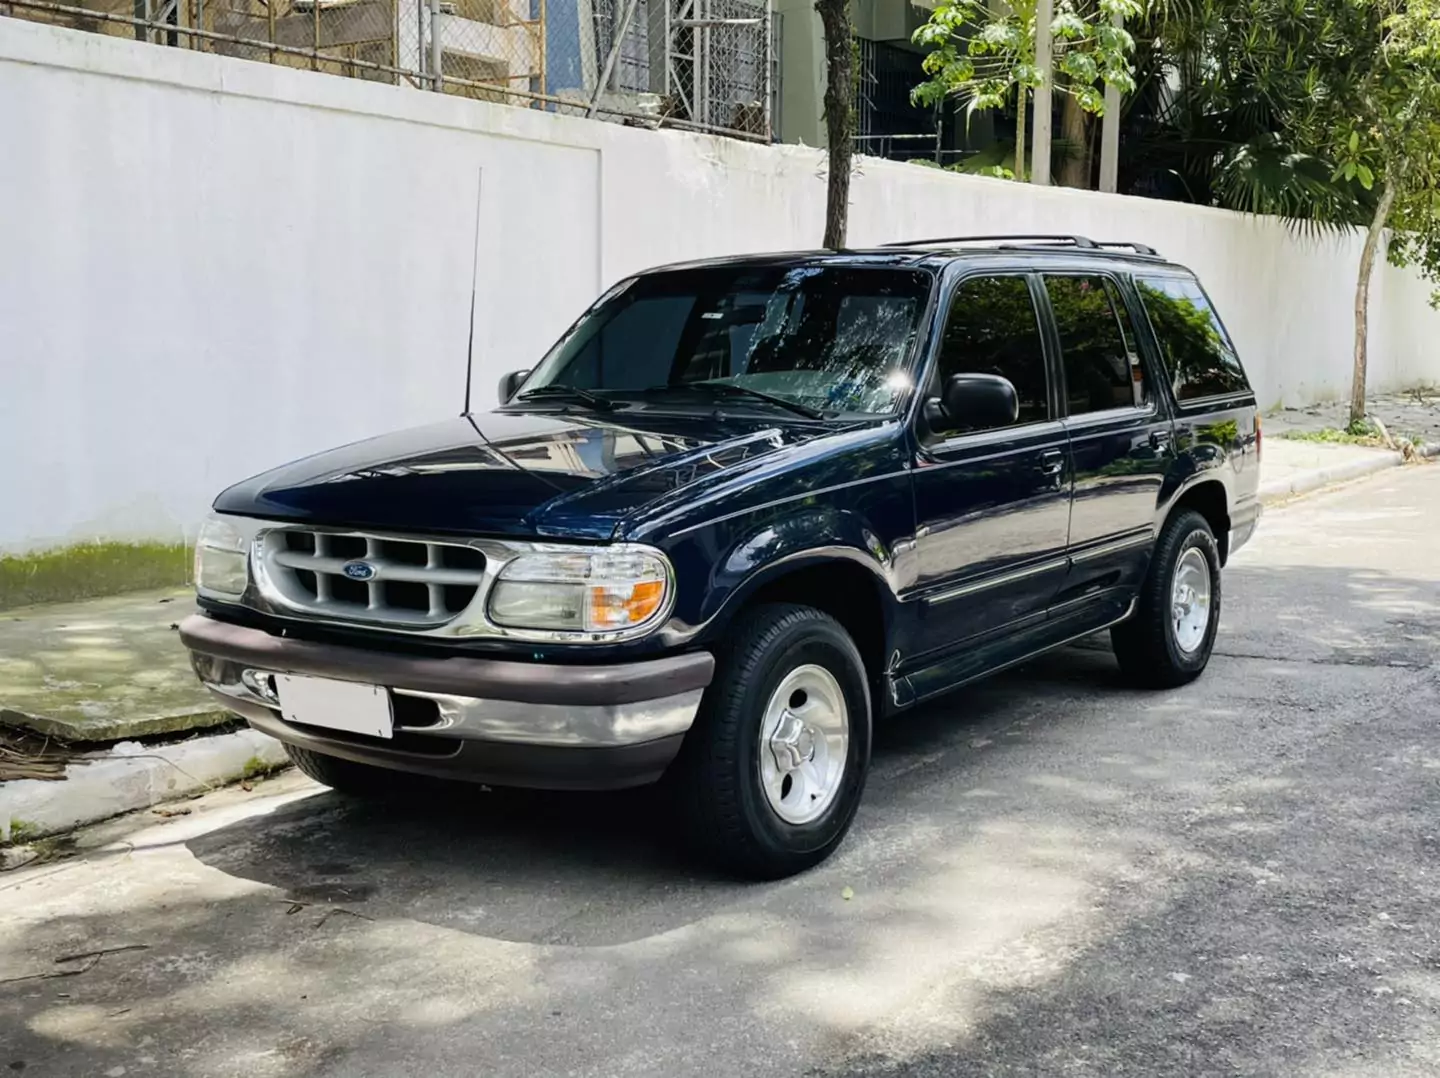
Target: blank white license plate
{"x":336,"y":705}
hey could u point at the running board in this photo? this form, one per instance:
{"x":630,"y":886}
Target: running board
{"x":969,"y":665}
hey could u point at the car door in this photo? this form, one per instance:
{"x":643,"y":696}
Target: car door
{"x":1121,"y":441}
{"x":992,"y":506}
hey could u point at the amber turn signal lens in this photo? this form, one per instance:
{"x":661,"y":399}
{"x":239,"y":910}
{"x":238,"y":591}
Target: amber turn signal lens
{"x":618,"y":606}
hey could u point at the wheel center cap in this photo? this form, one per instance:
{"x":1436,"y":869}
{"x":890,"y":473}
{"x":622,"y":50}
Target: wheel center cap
{"x":792,"y":743}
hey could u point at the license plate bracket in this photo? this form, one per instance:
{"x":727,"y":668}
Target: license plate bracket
{"x":348,"y":706}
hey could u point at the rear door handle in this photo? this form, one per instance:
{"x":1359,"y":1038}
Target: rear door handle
{"x":1160,"y":439}
{"x":1052,"y":462}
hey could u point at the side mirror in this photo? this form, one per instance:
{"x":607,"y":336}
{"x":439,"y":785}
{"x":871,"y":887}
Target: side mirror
{"x":974,"y":402}
{"x":510,"y":383}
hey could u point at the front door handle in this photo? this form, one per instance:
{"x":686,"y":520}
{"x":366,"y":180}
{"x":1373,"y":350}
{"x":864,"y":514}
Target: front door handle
{"x":1052,"y":466}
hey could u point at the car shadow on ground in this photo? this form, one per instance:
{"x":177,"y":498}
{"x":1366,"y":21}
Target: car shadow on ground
{"x":492,"y":862}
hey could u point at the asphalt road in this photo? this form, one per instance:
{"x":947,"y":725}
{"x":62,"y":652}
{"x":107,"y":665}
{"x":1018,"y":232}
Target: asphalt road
{"x":1051,"y":875}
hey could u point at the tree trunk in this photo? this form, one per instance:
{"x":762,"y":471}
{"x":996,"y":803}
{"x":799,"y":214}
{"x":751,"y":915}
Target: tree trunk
{"x":1023,"y":93}
{"x":1362,"y":300}
{"x":1074,"y":129}
{"x":839,"y":109}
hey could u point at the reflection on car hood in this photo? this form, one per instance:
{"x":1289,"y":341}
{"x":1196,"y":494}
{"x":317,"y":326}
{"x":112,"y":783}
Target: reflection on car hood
{"x":508,"y":473}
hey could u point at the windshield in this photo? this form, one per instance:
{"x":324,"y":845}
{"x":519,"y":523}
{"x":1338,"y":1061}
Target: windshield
{"x":836,"y":339}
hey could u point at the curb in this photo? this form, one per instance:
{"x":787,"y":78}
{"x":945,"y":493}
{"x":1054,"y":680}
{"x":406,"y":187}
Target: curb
{"x":132,"y":776}
{"x":1305,"y":482}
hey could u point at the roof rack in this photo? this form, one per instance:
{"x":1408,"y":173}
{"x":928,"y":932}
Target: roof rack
{"x":1073,"y":241}
{"x":1083,"y":242}
{"x":1138,"y":248}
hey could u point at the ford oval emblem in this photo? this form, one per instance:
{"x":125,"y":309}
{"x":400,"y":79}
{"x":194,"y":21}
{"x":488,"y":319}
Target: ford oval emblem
{"x":359,"y":570}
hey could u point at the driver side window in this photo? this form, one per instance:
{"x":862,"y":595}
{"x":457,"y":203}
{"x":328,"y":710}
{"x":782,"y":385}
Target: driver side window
{"x":992,"y":328}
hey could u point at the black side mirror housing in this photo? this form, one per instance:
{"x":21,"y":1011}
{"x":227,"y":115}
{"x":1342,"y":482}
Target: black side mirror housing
{"x":510,"y":383}
{"x":973,"y":402}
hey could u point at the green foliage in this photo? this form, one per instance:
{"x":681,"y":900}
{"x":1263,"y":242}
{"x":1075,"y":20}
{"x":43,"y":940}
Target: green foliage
{"x":21,"y":832}
{"x":983,"y":57}
{"x":1363,"y":434}
{"x":1212,"y":121}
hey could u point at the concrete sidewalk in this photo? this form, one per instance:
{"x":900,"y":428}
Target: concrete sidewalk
{"x":105,"y":671}
{"x":1290,"y":468}
{"x":101,"y":669}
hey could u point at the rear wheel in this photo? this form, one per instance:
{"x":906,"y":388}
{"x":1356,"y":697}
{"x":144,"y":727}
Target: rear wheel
{"x":345,"y":776}
{"x":771,"y":774}
{"x":1168,"y":641}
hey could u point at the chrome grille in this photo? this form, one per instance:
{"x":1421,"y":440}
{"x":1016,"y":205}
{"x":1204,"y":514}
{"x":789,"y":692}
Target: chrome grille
{"x":412,"y":584}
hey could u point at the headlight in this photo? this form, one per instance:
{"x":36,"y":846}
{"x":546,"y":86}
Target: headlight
{"x":222,"y":559}
{"x":579,"y":591}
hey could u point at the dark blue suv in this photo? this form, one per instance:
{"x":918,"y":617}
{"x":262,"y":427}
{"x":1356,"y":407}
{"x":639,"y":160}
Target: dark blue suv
{"x":741,"y":511}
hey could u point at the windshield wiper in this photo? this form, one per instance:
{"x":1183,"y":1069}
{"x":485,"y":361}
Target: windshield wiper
{"x":730,"y":389}
{"x":557,"y":391}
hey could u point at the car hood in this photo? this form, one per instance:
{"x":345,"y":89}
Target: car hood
{"x":510,"y":473}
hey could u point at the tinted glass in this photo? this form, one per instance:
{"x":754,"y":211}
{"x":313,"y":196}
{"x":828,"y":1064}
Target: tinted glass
{"x":838,"y":338}
{"x":632,"y":350}
{"x":1198,"y":355}
{"x":1102,"y":370}
{"x":992,"y":329}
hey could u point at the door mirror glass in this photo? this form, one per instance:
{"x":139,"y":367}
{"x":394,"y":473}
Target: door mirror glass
{"x":510,"y":383}
{"x":976,"y":402}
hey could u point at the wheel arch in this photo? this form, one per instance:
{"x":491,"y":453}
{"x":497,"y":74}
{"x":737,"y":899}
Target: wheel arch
{"x":846,"y":583}
{"x":1209,"y":497}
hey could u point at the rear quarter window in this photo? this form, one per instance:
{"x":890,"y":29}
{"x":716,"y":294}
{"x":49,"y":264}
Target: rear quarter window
{"x":1199,"y":358}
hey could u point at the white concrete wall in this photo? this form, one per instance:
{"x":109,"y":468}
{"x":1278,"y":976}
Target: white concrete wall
{"x":211,"y":266}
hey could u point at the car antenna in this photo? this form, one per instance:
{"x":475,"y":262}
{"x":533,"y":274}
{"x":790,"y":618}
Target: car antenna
{"x":474,"y":287}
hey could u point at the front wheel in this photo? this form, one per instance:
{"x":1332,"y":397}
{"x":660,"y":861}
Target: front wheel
{"x":1168,"y":641}
{"x":771,"y":774}
{"x":343,"y":776}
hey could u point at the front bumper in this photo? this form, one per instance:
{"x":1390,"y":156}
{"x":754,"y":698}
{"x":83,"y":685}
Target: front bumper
{"x":486,"y":720}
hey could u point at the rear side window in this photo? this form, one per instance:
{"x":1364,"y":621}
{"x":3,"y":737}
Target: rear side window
{"x":1102,"y":370}
{"x":1197,"y":353}
{"x":992,"y":329}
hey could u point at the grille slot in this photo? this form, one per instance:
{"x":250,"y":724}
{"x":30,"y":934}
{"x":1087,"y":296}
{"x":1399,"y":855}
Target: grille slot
{"x":413,"y":583}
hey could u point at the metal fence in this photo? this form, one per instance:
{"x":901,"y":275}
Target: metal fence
{"x":698,"y":64}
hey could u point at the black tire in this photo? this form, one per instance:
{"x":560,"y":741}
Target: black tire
{"x":343,"y":776}
{"x":1146,"y":645}
{"x":717,"y":779}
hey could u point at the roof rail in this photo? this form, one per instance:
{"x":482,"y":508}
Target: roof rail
{"x":1138,"y":248}
{"x":1073,"y":241}
{"x":1083,"y":242}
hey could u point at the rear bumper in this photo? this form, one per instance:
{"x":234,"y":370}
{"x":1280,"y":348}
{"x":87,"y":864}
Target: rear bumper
{"x":1244,"y":520}
{"x":486,"y":720}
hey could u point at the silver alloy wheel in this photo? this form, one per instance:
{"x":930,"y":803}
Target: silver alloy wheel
{"x":804,"y":743}
{"x":1190,"y":600}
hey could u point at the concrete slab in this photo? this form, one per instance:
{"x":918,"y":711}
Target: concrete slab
{"x":1289,"y":468}
{"x":102,"y":670}
{"x":1414,"y":415}
{"x":132,"y":776}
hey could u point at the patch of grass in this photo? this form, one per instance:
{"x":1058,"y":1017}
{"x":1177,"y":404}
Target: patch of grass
{"x":1363,"y":434}
{"x":88,"y":570}
{"x":21,"y":833}
{"x":256,"y":768}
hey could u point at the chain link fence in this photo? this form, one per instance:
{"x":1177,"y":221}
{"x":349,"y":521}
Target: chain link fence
{"x":700,"y":64}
